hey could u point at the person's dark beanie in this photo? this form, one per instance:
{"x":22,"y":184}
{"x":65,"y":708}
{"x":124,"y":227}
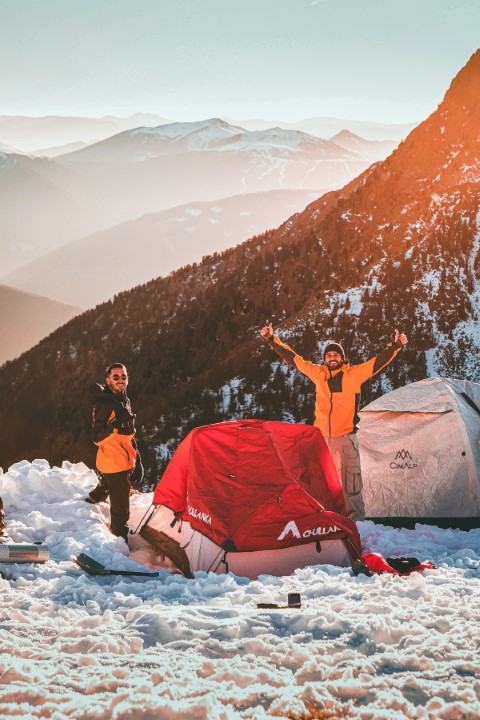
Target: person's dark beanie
{"x":334,"y":347}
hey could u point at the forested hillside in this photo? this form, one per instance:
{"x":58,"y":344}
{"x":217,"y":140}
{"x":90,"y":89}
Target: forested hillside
{"x":397,"y":247}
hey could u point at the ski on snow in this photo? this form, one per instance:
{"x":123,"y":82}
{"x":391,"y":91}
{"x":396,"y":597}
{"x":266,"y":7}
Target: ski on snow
{"x":93,"y":567}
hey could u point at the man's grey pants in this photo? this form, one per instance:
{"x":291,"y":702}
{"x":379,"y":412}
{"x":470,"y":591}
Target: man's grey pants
{"x":345,"y":455}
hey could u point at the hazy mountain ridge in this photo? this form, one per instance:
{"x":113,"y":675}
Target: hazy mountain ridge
{"x":166,"y":139}
{"x":32,"y":133}
{"x":398,"y":246}
{"x":26,"y":318}
{"x":57,"y":150}
{"x":214,"y":135}
{"x":325,"y":127}
{"x":9,"y":150}
{"x":36,"y":205}
{"x":372,"y":149}
{"x":149,"y":170}
{"x":155,"y":245}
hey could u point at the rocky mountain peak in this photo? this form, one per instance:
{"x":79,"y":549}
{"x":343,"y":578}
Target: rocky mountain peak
{"x":445,"y":148}
{"x":463,"y":94}
{"x":346,"y":135}
{"x":388,"y":208}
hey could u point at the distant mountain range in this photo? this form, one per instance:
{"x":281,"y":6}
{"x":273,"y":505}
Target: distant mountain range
{"x":56,"y":150}
{"x":397,"y":247}
{"x":82,"y":272}
{"x":373,"y":150}
{"x":33,"y":133}
{"x":325,"y":127}
{"x":38,"y":210}
{"x":8,"y":150}
{"x":26,"y":318}
{"x":149,"y":170}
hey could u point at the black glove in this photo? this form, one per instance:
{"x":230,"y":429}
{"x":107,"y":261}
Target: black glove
{"x":136,"y":476}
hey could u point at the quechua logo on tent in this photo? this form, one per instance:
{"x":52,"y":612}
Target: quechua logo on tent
{"x":403,"y":461}
{"x":199,"y":515}
{"x":292,"y":527}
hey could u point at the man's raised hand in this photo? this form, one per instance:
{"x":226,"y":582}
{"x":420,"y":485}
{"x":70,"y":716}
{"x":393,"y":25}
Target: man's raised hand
{"x":267,"y":332}
{"x":400,"y":338}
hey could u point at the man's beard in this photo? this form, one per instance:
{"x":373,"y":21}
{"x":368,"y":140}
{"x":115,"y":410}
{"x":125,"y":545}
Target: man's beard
{"x":334,"y":365}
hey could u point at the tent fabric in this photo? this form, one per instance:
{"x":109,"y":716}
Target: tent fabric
{"x":190,"y":551}
{"x":255,"y":485}
{"x":433,"y":395}
{"x":285,"y":561}
{"x":419,"y":451}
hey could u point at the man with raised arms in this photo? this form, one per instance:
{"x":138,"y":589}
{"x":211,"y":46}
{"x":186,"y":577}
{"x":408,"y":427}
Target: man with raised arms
{"x":338,"y":386}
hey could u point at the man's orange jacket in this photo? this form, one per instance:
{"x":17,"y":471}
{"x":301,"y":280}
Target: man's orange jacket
{"x":338,"y":391}
{"x":113,"y":430}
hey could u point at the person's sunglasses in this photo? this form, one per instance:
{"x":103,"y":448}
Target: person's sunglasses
{"x":119,"y":377}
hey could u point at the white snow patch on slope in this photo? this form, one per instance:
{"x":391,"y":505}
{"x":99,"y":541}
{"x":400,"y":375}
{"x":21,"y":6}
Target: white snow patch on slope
{"x":195,"y":135}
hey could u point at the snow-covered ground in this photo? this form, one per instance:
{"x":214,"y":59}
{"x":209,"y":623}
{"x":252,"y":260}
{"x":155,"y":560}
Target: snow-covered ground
{"x":77,"y":646}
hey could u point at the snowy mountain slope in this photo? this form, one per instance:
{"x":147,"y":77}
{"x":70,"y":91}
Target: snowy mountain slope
{"x":141,"y":143}
{"x":182,"y":137}
{"x":208,"y":153}
{"x":79,"y":272}
{"x":207,"y":135}
{"x":397,"y":247}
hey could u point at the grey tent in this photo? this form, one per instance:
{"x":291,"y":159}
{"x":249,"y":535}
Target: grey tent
{"x":420,"y":453}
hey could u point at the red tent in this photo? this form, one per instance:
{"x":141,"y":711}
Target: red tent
{"x":254,"y":485}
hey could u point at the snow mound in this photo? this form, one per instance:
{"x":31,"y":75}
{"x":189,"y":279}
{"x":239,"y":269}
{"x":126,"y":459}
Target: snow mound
{"x":76,"y":646}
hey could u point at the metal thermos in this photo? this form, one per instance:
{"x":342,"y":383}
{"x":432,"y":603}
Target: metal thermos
{"x":18,"y":553}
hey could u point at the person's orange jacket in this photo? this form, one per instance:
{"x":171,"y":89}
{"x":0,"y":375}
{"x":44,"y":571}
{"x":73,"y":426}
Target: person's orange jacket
{"x":338,"y":391}
{"x":113,"y":429}
{"x":116,"y":453}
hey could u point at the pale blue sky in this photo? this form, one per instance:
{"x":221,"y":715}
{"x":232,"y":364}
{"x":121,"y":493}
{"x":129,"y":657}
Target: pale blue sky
{"x":383,"y":60}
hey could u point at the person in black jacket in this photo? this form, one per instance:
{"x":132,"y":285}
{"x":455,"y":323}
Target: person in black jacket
{"x":113,"y":430}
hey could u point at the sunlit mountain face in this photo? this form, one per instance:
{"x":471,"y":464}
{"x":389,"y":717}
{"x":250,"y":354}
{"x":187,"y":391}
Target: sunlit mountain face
{"x":396,"y":247}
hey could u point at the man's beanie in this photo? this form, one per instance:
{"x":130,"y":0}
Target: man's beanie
{"x":334,"y":347}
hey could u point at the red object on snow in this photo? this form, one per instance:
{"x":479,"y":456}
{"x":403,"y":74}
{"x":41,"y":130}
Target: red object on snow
{"x":378,"y":564}
{"x":257,"y":485}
